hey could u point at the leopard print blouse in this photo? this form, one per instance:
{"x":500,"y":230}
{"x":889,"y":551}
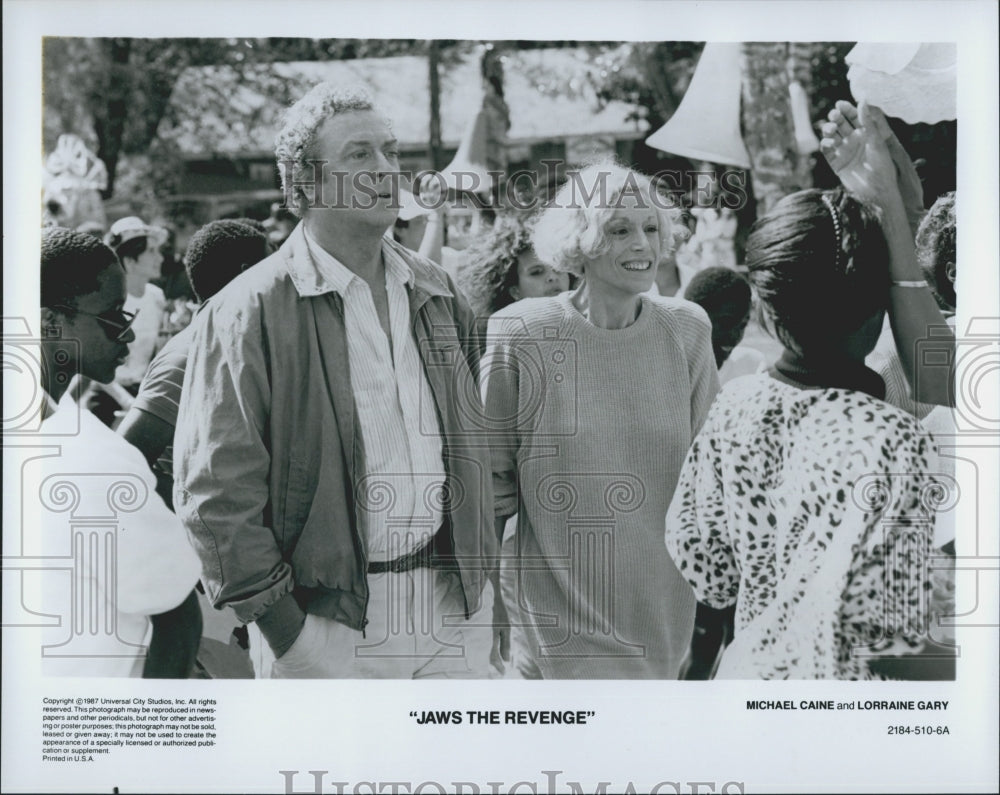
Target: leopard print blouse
{"x":812,"y":510}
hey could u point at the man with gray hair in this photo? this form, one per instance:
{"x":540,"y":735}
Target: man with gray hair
{"x":322,"y":464}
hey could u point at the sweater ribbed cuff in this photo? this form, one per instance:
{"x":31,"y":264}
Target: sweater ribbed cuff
{"x":281,"y":624}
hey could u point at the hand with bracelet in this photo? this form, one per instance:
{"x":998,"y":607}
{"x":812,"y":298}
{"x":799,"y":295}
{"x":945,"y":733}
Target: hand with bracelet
{"x":854,"y":143}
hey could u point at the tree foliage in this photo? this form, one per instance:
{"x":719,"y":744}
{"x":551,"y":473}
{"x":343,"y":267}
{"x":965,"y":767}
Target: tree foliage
{"x":116,"y":92}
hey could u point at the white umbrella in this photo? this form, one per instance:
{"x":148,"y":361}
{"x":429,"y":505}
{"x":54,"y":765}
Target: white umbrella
{"x":913,"y":82}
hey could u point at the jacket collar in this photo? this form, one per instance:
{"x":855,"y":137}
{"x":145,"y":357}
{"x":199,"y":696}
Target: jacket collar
{"x":427,"y":280}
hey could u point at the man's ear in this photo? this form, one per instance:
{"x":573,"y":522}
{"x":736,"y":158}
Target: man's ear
{"x":950,"y":271}
{"x":515,"y":292}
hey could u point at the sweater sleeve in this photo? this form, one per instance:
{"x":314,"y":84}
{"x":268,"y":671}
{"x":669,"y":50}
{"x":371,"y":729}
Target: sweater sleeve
{"x":697,"y":533}
{"x":499,"y":379}
{"x":701,"y":366}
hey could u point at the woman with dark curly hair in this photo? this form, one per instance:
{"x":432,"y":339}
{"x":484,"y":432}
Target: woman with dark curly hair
{"x":501,"y":267}
{"x":936,"y":255}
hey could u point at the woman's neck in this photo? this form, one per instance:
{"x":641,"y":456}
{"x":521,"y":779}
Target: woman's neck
{"x":135,"y":283}
{"x":604,"y":310}
{"x":831,"y":370}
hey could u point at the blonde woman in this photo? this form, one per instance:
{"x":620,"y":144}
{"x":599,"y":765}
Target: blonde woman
{"x":594,"y":396}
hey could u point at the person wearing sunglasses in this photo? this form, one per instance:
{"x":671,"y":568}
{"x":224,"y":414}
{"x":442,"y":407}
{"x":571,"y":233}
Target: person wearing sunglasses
{"x":87,"y":332}
{"x":117,"y":322}
{"x":137,"y":247}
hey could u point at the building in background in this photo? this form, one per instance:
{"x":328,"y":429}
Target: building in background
{"x":224,"y":126}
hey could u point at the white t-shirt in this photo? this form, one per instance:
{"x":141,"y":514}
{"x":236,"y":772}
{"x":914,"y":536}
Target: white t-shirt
{"x":151,"y":306}
{"x":118,"y":555}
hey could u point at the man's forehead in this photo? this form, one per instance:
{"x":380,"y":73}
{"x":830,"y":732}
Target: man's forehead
{"x":356,"y":125}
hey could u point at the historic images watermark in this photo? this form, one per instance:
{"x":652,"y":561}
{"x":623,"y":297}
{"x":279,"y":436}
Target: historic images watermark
{"x":521,"y":190}
{"x":548,"y":783}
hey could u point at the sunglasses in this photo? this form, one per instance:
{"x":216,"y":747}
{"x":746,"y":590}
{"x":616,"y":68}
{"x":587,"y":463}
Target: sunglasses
{"x":115,"y":322}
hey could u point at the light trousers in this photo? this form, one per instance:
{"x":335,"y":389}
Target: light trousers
{"x":416,"y":629}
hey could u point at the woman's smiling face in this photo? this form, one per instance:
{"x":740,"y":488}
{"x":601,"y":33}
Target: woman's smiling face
{"x":629,"y":264}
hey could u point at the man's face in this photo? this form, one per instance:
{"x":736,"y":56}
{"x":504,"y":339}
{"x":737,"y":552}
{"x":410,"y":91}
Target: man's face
{"x":361,"y":172}
{"x":99,"y":327}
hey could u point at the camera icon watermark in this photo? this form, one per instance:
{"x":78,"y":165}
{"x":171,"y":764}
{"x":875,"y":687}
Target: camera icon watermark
{"x":526,"y":382}
{"x":977,"y":378}
{"x":25,"y":358}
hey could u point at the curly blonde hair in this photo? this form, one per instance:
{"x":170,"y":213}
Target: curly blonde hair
{"x":571,"y":229}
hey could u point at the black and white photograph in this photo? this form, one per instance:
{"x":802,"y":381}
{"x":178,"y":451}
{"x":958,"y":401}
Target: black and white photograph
{"x":612,"y":359}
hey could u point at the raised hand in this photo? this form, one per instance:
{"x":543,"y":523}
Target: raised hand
{"x":855,"y":148}
{"x":910,"y":188}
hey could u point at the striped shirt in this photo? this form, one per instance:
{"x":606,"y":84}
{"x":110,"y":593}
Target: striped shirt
{"x":401,"y":492}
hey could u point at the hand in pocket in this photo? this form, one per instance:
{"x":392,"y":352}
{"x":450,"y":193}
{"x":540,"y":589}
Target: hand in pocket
{"x":298,"y":662}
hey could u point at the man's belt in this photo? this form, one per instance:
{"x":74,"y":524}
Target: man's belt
{"x":414,"y":560}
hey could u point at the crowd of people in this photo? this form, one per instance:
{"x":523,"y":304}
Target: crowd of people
{"x":549,"y":455}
